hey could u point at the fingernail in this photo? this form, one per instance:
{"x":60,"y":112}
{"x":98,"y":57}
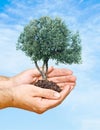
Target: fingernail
{"x":68,"y":87}
{"x":57,"y":95}
{"x":71,"y":88}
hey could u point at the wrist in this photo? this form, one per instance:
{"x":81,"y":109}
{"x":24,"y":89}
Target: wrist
{"x":13,"y":81}
{"x":6,"y":98}
{"x":7,"y":83}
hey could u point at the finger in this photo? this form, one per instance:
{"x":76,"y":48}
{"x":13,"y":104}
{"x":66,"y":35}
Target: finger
{"x":63,"y":79}
{"x":62,"y":85}
{"x":60,"y":72}
{"x":47,"y":93}
{"x":53,"y":103}
{"x":34,"y":72}
{"x":72,"y":87}
{"x":64,"y":93}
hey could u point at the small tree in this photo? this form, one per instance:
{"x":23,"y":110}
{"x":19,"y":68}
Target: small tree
{"x":45,"y":38}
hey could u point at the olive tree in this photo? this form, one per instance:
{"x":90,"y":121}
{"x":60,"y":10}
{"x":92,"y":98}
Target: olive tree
{"x":49,"y":38}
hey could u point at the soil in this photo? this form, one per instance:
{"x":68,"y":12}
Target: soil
{"x":48,"y":85}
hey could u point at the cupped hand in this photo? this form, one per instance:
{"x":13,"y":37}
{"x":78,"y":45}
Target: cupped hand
{"x":36,"y":99}
{"x":62,"y":77}
{"x":29,"y":76}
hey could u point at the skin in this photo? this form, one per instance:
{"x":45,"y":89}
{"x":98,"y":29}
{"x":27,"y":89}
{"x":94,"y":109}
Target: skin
{"x":19,"y":91}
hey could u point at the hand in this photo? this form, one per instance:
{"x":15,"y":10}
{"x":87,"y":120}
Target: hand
{"x":29,"y":97}
{"x":20,"y":92}
{"x":27,"y":77}
{"x":62,"y":77}
{"x":36,"y":99}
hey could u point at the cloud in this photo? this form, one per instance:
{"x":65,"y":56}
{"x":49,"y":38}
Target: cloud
{"x":12,"y":61}
{"x":21,"y":12}
{"x":81,"y":1}
{"x":91,"y":124}
{"x":82,"y":104}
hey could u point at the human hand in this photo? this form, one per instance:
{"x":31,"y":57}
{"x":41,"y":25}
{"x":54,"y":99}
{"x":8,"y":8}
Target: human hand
{"x":62,"y":77}
{"x":29,"y":76}
{"x":36,"y":99}
{"x":32,"y":98}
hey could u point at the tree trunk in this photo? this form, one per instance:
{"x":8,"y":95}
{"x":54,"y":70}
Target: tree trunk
{"x":42,"y":72}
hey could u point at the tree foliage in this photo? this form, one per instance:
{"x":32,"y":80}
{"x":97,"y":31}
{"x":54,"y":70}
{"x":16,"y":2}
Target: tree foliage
{"x":46,"y":38}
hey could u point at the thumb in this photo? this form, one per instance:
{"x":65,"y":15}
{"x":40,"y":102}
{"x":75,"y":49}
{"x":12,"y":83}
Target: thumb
{"x":49,"y":94}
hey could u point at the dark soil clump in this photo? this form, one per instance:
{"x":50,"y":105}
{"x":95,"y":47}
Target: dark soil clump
{"x":48,"y":85}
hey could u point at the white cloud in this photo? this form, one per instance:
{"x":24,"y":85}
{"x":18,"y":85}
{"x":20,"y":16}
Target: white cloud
{"x":81,"y":1}
{"x":84,"y":106}
{"x":27,"y":10}
{"x":3,"y":16}
{"x":91,"y":124}
{"x":12,"y":61}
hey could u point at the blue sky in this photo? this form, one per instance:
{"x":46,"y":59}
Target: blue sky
{"x":81,"y":109}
